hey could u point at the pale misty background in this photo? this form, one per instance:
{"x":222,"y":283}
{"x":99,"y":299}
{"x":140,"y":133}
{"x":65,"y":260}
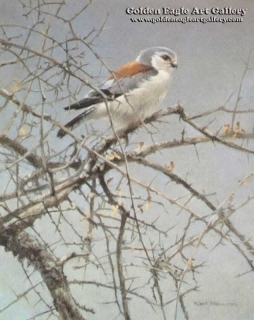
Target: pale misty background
{"x":210,"y":67}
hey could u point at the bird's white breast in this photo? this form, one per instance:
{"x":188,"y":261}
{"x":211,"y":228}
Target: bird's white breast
{"x":150,"y":94}
{"x":138,"y":104}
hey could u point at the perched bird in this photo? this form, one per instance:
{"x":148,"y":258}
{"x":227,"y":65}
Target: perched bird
{"x":131,"y":94}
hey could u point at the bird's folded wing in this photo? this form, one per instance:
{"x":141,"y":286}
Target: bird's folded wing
{"x":121,"y":82}
{"x":92,"y":98}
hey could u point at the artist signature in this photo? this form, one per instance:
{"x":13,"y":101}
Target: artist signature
{"x":215,"y":304}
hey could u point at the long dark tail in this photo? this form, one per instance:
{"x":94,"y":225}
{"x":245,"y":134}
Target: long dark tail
{"x":74,"y":122}
{"x":85,"y":103}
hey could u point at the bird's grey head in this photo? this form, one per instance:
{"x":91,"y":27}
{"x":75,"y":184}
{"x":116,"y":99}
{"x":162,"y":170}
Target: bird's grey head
{"x":161,"y":58}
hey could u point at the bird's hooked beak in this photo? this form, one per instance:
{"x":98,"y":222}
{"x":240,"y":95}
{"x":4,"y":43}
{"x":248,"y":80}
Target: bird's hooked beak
{"x":174,"y":64}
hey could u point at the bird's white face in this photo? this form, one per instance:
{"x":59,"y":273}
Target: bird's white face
{"x":163,"y":61}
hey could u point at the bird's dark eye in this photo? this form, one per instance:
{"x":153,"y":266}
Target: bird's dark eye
{"x":166,"y":57}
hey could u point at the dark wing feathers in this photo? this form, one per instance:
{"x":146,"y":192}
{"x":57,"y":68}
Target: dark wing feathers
{"x":92,"y":98}
{"x":119,"y":83}
{"x":122,"y":81}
